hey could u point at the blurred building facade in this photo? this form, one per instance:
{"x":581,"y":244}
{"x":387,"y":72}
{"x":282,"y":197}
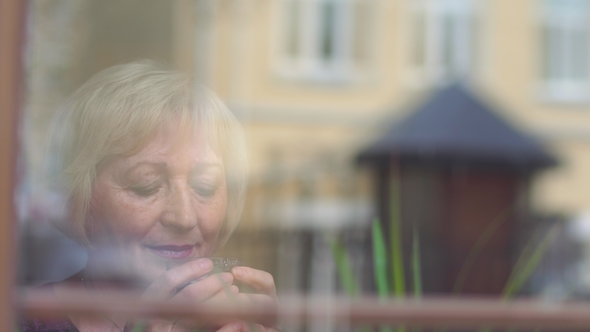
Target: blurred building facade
{"x":336,"y":73}
{"x":315,"y":81}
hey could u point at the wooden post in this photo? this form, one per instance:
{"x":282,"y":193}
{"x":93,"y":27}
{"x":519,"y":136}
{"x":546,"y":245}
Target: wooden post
{"x":12,"y":17}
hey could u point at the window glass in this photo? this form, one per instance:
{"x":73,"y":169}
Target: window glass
{"x":327,"y":30}
{"x":293,"y":22}
{"x":339,"y":151}
{"x":362,"y":18}
{"x":419,"y":40}
{"x":580,"y":57}
{"x":325,"y":40}
{"x":564,"y":37}
{"x":443,"y":36}
{"x":448,"y":46}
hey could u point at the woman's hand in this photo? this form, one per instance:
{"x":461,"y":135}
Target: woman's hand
{"x":191,"y":282}
{"x":261,"y":292}
{"x":243,"y":326}
{"x":260,"y":282}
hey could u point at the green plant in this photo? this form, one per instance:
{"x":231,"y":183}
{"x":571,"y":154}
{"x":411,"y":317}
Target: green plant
{"x":344,"y":268}
{"x":416,"y":264}
{"x":480,"y":243}
{"x":380,"y":260}
{"x":397,"y":263}
{"x":527,"y":262}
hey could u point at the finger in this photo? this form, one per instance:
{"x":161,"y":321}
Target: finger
{"x":261,"y":281}
{"x":206,"y":288}
{"x":244,"y":326}
{"x":261,"y":301}
{"x":231,"y":327}
{"x":224,"y":298}
{"x":168,"y":283}
{"x":255,"y":327}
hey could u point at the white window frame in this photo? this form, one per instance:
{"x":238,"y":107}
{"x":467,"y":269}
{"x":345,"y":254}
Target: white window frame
{"x":566,"y":89}
{"x":434,"y":70}
{"x":309,"y":64}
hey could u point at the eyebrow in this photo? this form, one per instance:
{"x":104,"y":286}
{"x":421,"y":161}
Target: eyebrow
{"x":163,"y":166}
{"x":145,"y":163}
{"x":202,"y":166}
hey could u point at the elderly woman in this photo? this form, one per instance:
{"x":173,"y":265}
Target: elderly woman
{"x":152,"y":167}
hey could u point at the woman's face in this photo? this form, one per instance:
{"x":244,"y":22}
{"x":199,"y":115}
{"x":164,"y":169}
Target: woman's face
{"x":168,"y":201}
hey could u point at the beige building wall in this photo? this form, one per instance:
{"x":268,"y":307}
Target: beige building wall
{"x":303,"y":118}
{"x":564,"y":127}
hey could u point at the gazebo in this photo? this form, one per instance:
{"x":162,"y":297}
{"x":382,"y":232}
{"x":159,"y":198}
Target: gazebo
{"x":460,"y":176}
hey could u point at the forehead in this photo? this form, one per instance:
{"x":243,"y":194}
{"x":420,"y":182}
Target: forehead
{"x":166,"y":146}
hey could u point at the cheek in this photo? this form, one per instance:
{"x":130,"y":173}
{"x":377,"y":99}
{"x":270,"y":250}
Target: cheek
{"x":116,"y":215}
{"x":212,"y":216}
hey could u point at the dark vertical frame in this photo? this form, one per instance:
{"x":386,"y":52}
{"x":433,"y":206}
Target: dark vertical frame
{"x":12,"y":18}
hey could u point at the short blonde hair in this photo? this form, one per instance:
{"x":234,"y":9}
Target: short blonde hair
{"x":117,"y":112}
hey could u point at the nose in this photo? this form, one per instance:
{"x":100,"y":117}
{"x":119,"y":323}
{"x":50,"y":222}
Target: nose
{"x":180,"y":212}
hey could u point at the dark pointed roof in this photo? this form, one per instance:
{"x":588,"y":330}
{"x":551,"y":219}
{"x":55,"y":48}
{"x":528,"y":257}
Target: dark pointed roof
{"x":454,"y":125}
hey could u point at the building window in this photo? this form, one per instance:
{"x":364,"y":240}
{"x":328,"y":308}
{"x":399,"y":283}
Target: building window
{"x":565,"y":56}
{"x":443,"y":39}
{"x":324,"y":40}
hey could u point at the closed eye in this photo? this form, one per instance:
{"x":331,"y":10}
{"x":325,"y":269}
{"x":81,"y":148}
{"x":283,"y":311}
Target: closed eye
{"x":145,"y":191}
{"x":205,"y":190}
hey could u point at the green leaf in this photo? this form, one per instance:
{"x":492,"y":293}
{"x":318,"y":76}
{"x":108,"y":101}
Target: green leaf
{"x":416,"y":268}
{"x":397,"y":261}
{"x":344,"y":267}
{"x":526,"y":263}
{"x":478,"y":246}
{"x":380,"y":259}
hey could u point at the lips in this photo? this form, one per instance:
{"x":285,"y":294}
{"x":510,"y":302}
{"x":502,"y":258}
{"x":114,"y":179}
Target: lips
{"x":171,"y":251}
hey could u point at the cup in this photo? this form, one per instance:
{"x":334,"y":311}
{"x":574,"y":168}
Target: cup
{"x":220,"y":264}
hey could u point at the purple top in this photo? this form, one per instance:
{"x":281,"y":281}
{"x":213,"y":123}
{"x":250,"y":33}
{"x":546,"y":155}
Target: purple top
{"x":37,"y":325}
{"x":34,"y":324}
